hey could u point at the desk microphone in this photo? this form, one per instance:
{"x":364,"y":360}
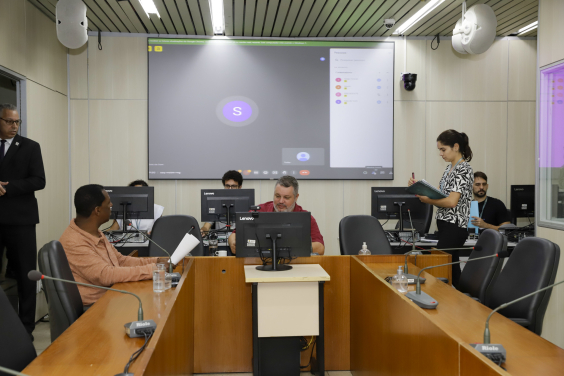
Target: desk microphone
{"x":11,"y":371}
{"x":133,"y":329}
{"x":423,"y":300}
{"x":498,"y":350}
{"x":175,"y":276}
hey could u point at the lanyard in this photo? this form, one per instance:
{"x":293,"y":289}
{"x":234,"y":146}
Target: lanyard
{"x":444,"y":180}
{"x":483,"y":207}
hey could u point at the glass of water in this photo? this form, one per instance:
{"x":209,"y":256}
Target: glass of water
{"x":168,"y":281}
{"x":159,"y":278}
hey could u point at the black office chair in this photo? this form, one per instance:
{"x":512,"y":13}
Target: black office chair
{"x":356,"y":229}
{"x":422,"y":226}
{"x":63,"y":299}
{"x":478,"y":276}
{"x":16,"y":348}
{"x":533,"y":265}
{"x":168,"y":232}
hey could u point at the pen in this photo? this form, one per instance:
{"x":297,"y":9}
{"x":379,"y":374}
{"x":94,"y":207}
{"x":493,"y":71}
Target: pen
{"x":413,"y":175}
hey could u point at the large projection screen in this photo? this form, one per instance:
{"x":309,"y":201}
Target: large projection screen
{"x":311,"y":109}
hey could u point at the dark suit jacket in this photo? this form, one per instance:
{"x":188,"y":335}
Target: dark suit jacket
{"x":22,"y":168}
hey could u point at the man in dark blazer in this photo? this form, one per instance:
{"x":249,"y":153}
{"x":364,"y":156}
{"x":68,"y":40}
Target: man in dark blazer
{"x":21,"y":174}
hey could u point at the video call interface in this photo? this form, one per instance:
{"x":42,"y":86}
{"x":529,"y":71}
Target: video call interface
{"x":311,"y":109}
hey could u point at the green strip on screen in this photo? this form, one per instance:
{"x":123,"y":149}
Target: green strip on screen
{"x":303,"y":43}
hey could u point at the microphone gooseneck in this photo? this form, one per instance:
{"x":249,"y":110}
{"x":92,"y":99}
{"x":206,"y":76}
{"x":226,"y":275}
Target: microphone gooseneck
{"x":170,"y":268}
{"x":418,"y":287}
{"x":487,"y":330}
{"x":33,"y":275}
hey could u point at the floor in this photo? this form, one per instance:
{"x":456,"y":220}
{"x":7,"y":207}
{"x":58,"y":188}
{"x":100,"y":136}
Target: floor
{"x":42,"y":336}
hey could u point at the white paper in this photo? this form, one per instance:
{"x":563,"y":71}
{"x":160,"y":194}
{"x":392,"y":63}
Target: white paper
{"x":188,"y":243}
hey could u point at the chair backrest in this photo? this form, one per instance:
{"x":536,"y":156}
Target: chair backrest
{"x":422,"y":226}
{"x":16,"y":348}
{"x":63,"y":299}
{"x":532,"y":265}
{"x":477,"y":277}
{"x":168,"y":232}
{"x":356,"y":229}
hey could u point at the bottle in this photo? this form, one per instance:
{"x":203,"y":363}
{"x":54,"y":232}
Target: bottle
{"x":399,"y":281}
{"x":364,"y":250}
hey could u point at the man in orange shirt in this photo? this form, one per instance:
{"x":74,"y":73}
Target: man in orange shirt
{"x":92,"y":258}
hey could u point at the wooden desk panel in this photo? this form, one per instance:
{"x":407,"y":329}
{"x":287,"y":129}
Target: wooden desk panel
{"x":96,"y":344}
{"x":389,"y":336}
{"x":463,"y":319}
{"x":223,"y":314}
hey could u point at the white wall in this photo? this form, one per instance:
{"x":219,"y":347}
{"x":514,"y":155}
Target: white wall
{"x":489,"y":96}
{"x":29,"y":47}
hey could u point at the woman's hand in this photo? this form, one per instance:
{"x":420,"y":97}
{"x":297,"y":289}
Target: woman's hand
{"x":411,"y":182}
{"x":424,"y":199}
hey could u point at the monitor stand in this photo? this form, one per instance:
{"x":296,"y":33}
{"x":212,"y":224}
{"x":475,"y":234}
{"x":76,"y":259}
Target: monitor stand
{"x":124,"y":221}
{"x":275,"y":266}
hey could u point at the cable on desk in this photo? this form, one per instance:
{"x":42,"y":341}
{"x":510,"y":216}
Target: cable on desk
{"x":148,"y":334}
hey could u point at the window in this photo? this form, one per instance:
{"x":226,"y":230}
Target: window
{"x":550,"y":195}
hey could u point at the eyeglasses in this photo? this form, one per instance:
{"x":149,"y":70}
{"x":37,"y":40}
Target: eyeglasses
{"x":12,"y":122}
{"x":227,"y":186}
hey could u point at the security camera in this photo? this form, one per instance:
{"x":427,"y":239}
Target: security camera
{"x":389,"y":23}
{"x":409,"y":81}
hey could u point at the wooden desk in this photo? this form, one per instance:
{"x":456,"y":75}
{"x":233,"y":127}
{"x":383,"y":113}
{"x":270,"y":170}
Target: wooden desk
{"x":398,"y":337}
{"x":205,"y":326}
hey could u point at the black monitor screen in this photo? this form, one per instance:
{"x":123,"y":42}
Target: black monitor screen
{"x":522,"y":201}
{"x":140,"y":202}
{"x":385,"y":205}
{"x":215,"y":203}
{"x":256,"y":230}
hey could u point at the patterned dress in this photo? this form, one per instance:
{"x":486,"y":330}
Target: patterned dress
{"x":460,"y":180}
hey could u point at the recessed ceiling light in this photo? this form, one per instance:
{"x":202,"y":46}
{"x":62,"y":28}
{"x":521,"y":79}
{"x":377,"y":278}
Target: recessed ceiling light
{"x":431,"y":5}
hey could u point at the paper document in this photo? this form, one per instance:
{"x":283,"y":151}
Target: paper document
{"x":188,"y":243}
{"x":474,"y":212}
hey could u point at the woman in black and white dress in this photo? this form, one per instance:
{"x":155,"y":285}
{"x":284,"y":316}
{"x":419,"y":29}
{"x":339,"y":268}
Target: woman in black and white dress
{"x":453,"y":211}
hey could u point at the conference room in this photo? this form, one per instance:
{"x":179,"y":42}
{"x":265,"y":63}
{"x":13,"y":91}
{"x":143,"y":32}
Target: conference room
{"x":348,"y":97}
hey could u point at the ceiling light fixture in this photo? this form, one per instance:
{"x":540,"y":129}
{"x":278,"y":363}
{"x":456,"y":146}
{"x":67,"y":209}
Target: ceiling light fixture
{"x":528,"y":28}
{"x":431,"y":5}
{"x":149,"y":7}
{"x":218,"y":20}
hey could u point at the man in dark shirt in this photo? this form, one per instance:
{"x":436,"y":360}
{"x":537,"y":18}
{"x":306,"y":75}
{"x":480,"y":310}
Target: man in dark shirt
{"x":285,"y":200}
{"x":493,"y":212}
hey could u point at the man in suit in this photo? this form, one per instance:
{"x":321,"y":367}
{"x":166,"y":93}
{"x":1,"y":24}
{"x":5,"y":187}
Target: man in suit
{"x":21,"y":174}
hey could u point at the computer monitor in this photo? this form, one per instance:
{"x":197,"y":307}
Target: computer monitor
{"x":275,"y":236}
{"x":386,"y":204}
{"x":132,"y":202}
{"x":522,"y":202}
{"x":218,"y":204}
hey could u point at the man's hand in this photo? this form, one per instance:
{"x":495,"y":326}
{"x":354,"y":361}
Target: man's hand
{"x":231,"y":242}
{"x":479,"y":222}
{"x":2,"y":189}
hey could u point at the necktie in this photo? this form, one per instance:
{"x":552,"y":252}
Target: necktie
{"x":2,"y":149}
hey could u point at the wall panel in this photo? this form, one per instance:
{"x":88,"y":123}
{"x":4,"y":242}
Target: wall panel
{"x":12,"y":22}
{"x":416,"y":61}
{"x":520,"y":145}
{"x":119,"y":70}
{"x":46,"y":57}
{"x":452,"y":76}
{"x":118,"y":141}
{"x":78,"y":70}
{"x":48,"y":125}
{"x":551,"y":29}
{"x":522,"y":81}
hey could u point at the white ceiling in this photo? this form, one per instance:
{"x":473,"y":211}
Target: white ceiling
{"x":294,"y":18}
